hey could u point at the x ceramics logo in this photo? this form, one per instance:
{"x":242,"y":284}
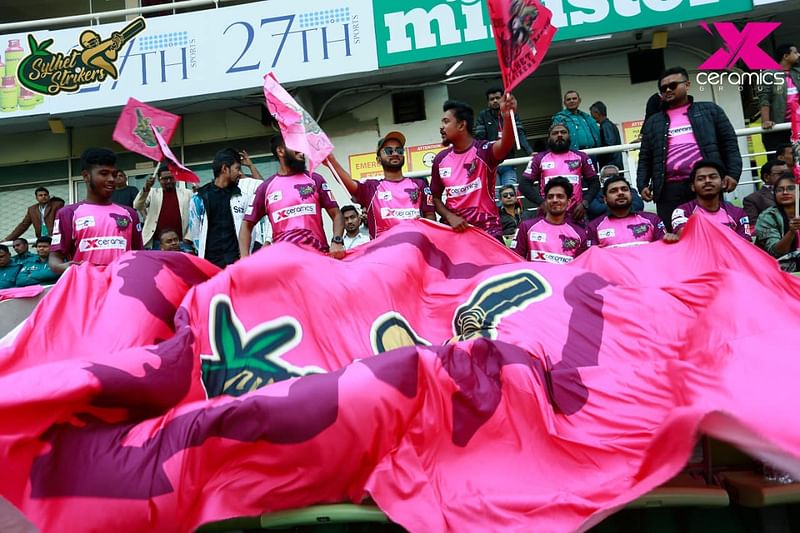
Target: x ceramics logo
{"x":740,"y":46}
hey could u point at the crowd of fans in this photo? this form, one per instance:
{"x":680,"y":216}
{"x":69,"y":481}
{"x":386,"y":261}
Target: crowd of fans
{"x":689,"y":158}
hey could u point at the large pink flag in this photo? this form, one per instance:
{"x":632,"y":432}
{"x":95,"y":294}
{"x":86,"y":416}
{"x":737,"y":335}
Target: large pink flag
{"x":519,"y":397}
{"x":134,"y":129}
{"x":300,"y":131}
{"x":523,"y":33}
{"x":179,"y":172}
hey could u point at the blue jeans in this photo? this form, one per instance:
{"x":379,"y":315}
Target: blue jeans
{"x":506,"y":176}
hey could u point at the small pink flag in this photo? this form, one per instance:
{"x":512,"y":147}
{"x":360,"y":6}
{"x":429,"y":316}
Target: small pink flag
{"x":523,"y":33}
{"x":134,"y":129}
{"x":179,"y":172}
{"x":300,"y":131}
{"x":794,"y":107}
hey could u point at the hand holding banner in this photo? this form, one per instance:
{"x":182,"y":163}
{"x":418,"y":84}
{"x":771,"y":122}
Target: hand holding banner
{"x":135,"y":126}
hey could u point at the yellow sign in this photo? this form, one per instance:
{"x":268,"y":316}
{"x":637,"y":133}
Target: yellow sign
{"x":421,"y":157}
{"x":366,"y":166}
{"x":630,"y":133}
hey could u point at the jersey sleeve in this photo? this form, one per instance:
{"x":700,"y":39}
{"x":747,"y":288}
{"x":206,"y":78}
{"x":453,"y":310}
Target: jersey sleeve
{"x":659,"y":229}
{"x":63,"y":240}
{"x":486,"y":152}
{"x":742,"y":224}
{"x":326,"y":199}
{"x":522,"y":240}
{"x":258,"y":205}
{"x":136,"y":232}
{"x":582,"y":235}
{"x":533,"y":170}
{"x":437,"y":186}
{"x":426,"y":197}
{"x":680,"y":217}
{"x":365,"y":192}
{"x":592,"y":238}
{"x":587,"y":167}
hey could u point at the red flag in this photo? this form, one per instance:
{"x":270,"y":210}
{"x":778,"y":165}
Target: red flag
{"x":522,"y":33}
{"x":299,"y":130}
{"x":134,"y":129}
{"x":179,"y":172}
{"x":520,"y":397}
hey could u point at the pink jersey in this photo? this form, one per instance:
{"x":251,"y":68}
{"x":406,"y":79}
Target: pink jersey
{"x":572,"y":164}
{"x":467,"y":179}
{"x":637,"y":228}
{"x":792,"y":96}
{"x":94,"y":233}
{"x":540,"y":240}
{"x":727,"y":215}
{"x":390,"y":202}
{"x":293,"y":205}
{"x":682,"y":149}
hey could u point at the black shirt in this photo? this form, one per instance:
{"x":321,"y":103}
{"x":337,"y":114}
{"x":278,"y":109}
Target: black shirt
{"x":124,"y":196}
{"x":222,"y":243}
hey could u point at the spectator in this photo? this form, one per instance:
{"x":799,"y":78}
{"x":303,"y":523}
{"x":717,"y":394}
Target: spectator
{"x":23,"y":255}
{"x":560,"y":160}
{"x":776,"y":100}
{"x":622,"y":226}
{"x":57,"y":203}
{"x":217,"y":210}
{"x":785,"y":153}
{"x":553,"y":238}
{"x":38,"y":271}
{"x":583,"y":130}
{"x":489,"y":127}
{"x":609,"y":135}
{"x":394,"y":198}
{"x":124,"y":194}
{"x":293,"y":200}
{"x":598,"y":206}
{"x":510,"y":210}
{"x":465,"y":170}
{"x":96,"y":230}
{"x":169,"y":240}
{"x":778,"y":226}
{"x":165,"y":207}
{"x":706,"y":183}
{"x":41,"y":215}
{"x":8,"y":270}
{"x":653,"y":105}
{"x":754,"y":204}
{"x":674,"y":139}
{"x":353,"y":234}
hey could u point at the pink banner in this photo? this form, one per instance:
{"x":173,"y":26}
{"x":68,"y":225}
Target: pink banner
{"x":300,"y":131}
{"x":179,"y":172}
{"x":795,"y":113}
{"x":519,"y":397}
{"x":523,"y":33}
{"x":134,"y":129}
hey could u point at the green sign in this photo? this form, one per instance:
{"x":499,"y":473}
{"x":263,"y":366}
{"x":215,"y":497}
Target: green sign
{"x":422,"y":30}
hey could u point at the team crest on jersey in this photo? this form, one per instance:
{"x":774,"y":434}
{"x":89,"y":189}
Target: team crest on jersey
{"x":413,"y":194}
{"x":472,"y":166}
{"x":569,"y":243}
{"x":639,"y":230}
{"x":573,"y":164}
{"x":122,"y":221}
{"x":305,"y":190}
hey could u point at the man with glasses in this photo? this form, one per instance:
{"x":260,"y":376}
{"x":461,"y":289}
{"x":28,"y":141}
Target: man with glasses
{"x":598,"y":207}
{"x":393,"y":199}
{"x":164,"y":208}
{"x":706,"y":179}
{"x":678,"y":136}
{"x":756,"y":203}
{"x":621,"y":226}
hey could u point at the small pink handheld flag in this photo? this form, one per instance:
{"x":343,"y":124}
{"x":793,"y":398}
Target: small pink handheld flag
{"x":179,"y":172}
{"x":135,"y":126}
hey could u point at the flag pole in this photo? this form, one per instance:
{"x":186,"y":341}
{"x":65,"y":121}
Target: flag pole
{"x":514,"y":123}
{"x":336,"y":175}
{"x":155,"y":170}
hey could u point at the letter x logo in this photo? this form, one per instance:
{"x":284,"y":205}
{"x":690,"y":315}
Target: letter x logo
{"x":741,"y":45}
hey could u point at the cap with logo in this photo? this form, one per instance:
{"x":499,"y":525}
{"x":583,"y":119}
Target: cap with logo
{"x":396,"y":135}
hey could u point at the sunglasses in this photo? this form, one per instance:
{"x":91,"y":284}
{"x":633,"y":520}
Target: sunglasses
{"x":788,"y":188}
{"x":670,"y":86}
{"x":508,"y":195}
{"x":390,"y":150}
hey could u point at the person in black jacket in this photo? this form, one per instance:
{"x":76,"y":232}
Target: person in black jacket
{"x":489,"y":127}
{"x":678,"y":136}
{"x":609,"y":136}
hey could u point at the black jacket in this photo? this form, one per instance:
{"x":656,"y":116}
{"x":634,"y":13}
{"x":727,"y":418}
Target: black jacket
{"x":715,"y":137}
{"x":487,"y":127}
{"x":609,"y":136}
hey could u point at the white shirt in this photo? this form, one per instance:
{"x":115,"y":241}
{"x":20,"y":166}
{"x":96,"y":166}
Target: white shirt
{"x":351,"y":242}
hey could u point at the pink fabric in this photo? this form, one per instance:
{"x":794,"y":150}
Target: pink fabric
{"x":300,"y":131}
{"x":134,"y":129}
{"x":179,"y":172}
{"x":30,"y":291}
{"x":792,"y":96}
{"x":293,"y":205}
{"x":523,"y":33}
{"x":682,"y":149}
{"x":537,"y":397}
{"x":97,"y":234}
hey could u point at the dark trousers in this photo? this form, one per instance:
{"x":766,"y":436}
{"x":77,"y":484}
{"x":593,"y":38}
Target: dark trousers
{"x":773,"y":139}
{"x":673,"y":194}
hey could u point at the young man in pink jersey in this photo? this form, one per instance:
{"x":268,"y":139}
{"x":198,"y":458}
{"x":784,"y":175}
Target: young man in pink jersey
{"x":553,"y":238}
{"x":96,"y":230}
{"x":706,"y":178}
{"x":560,"y":160}
{"x":293,"y":200}
{"x":393,"y":199}
{"x":621,"y":226}
{"x":466,"y":172}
